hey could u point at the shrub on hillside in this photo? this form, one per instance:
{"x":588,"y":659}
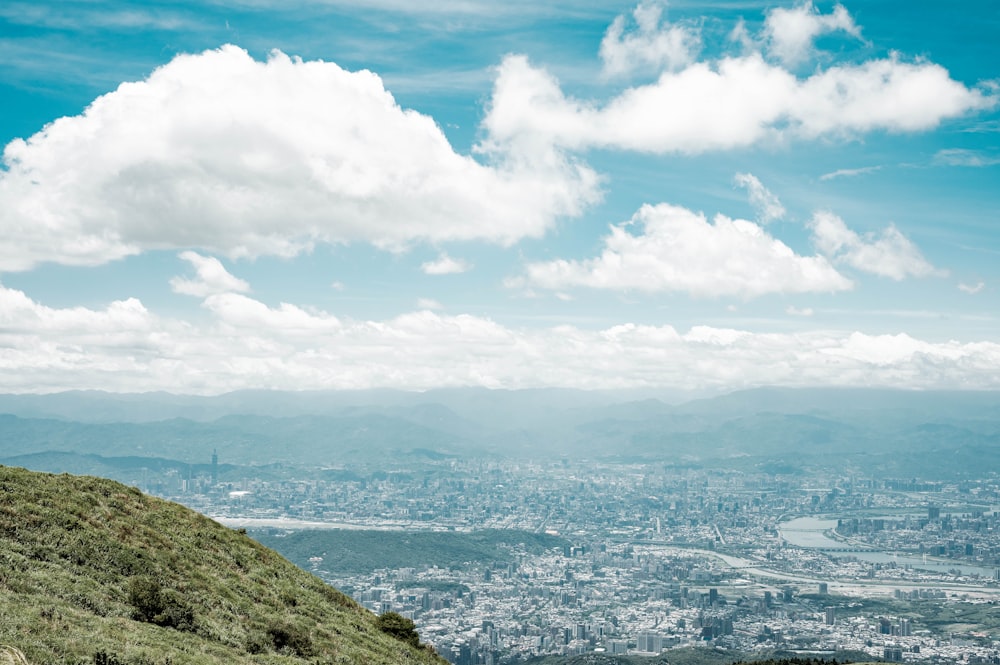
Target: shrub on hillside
{"x":152,"y":604}
{"x":286,"y":637}
{"x":104,"y":658}
{"x":398,"y":626}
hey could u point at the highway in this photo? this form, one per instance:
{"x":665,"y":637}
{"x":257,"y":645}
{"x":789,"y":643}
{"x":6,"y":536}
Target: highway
{"x":858,"y":587}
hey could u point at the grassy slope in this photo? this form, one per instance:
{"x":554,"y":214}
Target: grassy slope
{"x":69,"y":546}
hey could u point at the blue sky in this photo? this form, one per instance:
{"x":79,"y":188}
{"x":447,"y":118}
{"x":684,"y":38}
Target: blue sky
{"x":201,"y":197}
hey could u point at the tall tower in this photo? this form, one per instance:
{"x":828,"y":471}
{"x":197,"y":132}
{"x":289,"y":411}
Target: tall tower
{"x":215,"y":466}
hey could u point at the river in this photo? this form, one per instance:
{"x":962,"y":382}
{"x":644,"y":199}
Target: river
{"x":808,"y":532}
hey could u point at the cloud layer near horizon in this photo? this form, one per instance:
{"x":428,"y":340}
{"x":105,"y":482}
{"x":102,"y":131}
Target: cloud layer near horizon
{"x":248,"y":344}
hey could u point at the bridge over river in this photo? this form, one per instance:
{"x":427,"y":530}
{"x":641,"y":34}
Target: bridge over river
{"x":810,"y":533}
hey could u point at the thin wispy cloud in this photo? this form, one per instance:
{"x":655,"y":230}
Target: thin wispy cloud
{"x":446,"y":265}
{"x":429,"y":304}
{"x":983,"y":127}
{"x":964,"y":157}
{"x":467,"y":9}
{"x":849,"y":173}
{"x":53,"y":62}
{"x":89,"y":16}
{"x":972,"y":289}
{"x":765,"y":203}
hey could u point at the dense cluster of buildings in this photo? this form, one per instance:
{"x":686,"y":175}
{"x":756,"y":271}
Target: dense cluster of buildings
{"x":659,"y":557}
{"x":645,"y":599}
{"x":969,"y":535}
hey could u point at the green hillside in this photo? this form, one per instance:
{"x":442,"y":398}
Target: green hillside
{"x":95,"y":572}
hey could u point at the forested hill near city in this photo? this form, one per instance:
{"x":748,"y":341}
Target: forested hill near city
{"x":92,"y":571}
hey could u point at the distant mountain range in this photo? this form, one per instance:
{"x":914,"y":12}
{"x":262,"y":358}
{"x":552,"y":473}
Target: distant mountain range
{"x":889,"y":431}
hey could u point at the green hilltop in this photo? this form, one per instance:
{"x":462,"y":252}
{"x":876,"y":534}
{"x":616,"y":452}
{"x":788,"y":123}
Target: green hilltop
{"x":92,"y":571}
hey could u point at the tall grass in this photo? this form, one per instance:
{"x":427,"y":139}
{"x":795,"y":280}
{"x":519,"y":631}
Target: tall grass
{"x":77,"y":552}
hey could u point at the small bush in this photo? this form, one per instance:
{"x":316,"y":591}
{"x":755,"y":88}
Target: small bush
{"x":255,"y":644}
{"x":286,"y":637}
{"x":88,"y":602}
{"x":151,"y":604}
{"x":403,"y":629}
{"x":104,"y":658}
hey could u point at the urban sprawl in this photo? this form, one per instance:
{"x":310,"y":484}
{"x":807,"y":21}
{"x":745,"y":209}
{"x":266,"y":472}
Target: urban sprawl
{"x":657,"y":557}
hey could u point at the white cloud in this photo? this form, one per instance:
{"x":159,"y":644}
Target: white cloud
{"x":241,"y":314}
{"x":677,"y":250}
{"x":985,"y":126}
{"x":649,"y":44}
{"x":795,"y":311}
{"x":21,"y":315}
{"x":429,"y":303}
{"x":790,"y":33}
{"x":963,"y":157}
{"x":222,"y":153}
{"x":847,"y":173}
{"x":438,"y":14}
{"x":445,"y":265}
{"x":887,"y":254}
{"x":247,"y":344}
{"x":211,"y":278}
{"x":972,"y":289}
{"x":46,"y":349}
{"x":766,"y":204}
{"x":92,"y":17}
{"x":741,"y":35}
{"x":732,"y":103}
{"x":337,"y":285}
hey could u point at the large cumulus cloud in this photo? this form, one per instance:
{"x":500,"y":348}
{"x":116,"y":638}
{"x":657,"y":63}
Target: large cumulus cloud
{"x":225,"y":153}
{"x":734,"y":102}
{"x":673,"y":249}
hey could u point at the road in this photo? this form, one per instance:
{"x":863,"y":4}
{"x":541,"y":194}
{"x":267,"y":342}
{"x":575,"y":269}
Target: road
{"x":856,"y":587}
